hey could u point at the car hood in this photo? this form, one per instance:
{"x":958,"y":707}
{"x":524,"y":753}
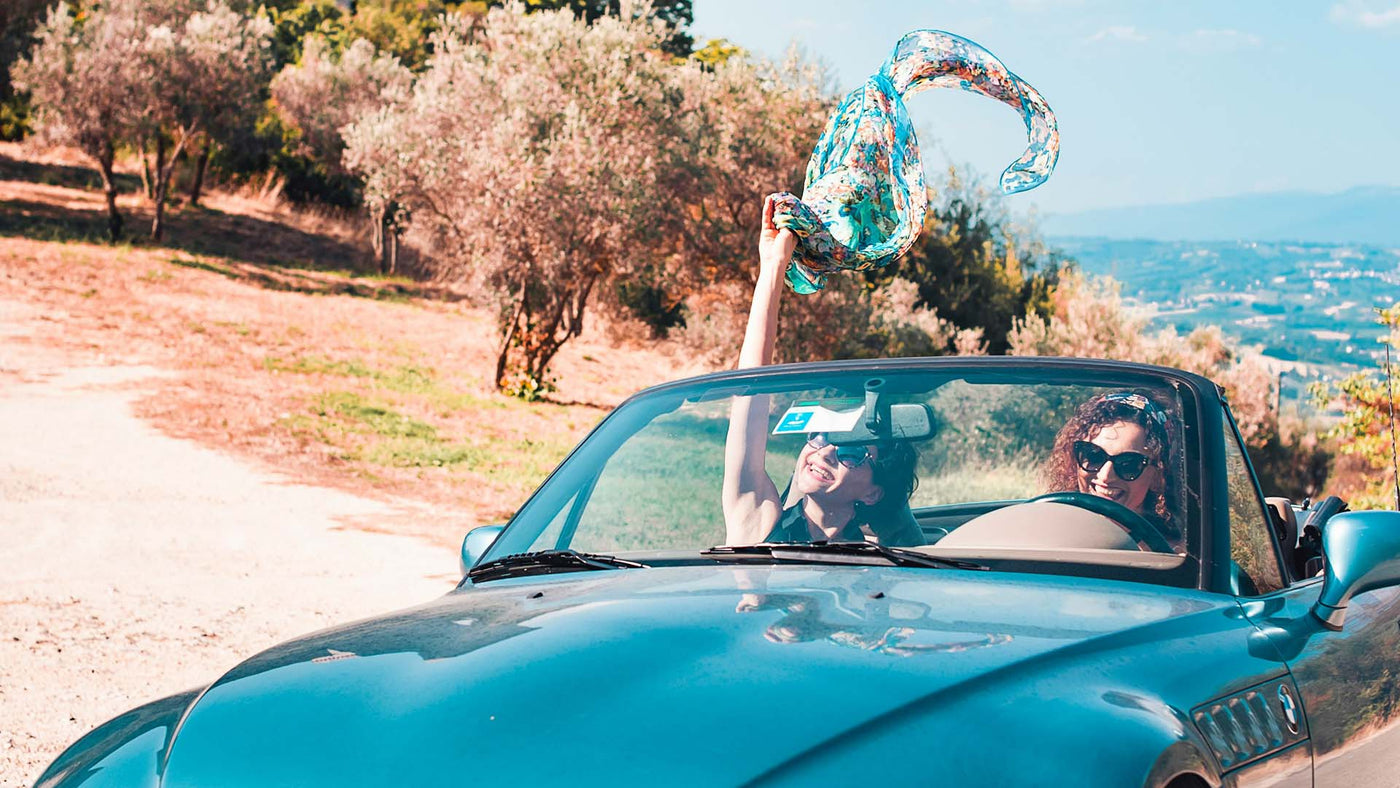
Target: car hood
{"x":625,"y":675}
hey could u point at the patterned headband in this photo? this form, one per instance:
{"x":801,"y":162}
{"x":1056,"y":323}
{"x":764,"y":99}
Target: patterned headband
{"x":1138,"y":402}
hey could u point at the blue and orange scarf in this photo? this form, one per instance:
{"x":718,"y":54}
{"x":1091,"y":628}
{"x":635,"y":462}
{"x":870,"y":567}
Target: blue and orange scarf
{"x":864,"y":200}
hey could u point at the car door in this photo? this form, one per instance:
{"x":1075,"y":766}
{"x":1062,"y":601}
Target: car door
{"x":1349,"y":680}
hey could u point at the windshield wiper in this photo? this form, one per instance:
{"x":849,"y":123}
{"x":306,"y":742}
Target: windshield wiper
{"x":547,"y":561}
{"x":841,"y":553}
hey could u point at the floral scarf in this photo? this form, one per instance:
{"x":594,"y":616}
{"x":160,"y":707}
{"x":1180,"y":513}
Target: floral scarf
{"x":864,"y":199}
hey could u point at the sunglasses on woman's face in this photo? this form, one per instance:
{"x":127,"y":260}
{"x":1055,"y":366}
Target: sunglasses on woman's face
{"x":849,"y":456}
{"x":1091,"y":458}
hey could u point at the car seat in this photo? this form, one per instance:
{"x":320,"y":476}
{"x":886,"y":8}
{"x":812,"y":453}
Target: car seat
{"x":1285,"y":522}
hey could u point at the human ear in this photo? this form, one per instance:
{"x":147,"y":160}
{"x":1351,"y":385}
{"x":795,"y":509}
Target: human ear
{"x":1158,"y":483}
{"x":873,"y":497}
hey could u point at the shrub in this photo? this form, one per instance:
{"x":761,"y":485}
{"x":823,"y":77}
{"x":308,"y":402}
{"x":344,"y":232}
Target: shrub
{"x":1366,"y":433}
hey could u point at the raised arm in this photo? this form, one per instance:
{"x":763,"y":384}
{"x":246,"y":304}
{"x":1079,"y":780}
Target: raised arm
{"x":751,"y":503}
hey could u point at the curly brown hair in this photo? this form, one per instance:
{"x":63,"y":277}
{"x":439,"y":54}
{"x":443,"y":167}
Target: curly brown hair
{"x":1060,"y":472}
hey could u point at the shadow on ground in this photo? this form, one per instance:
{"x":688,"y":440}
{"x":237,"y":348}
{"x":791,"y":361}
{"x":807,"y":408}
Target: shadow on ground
{"x":243,"y":248}
{"x":317,"y":283}
{"x":200,"y":231}
{"x":196,"y":230}
{"x":258,"y":251}
{"x":574,"y":403}
{"x":61,"y":175}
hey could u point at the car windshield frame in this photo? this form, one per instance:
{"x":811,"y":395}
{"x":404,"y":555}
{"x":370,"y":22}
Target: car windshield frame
{"x":572,"y":482}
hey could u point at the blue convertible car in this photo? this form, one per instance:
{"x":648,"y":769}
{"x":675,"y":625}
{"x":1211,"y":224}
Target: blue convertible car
{"x":1086,"y":586}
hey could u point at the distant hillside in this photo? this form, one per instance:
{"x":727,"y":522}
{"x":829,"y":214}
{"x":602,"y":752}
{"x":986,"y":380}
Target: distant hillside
{"x":1364,"y":215}
{"x":1311,"y":303}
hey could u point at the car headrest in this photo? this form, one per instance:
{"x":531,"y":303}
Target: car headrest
{"x":900,"y":529}
{"x":1285,"y":522}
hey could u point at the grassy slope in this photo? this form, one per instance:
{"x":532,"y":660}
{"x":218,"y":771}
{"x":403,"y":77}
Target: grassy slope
{"x":285,"y":356}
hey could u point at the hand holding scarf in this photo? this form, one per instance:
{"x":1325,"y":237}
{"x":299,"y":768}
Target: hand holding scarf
{"x":864,"y":200}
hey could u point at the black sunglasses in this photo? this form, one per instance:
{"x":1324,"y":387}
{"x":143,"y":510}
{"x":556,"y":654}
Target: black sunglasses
{"x":849,"y":456}
{"x":1091,"y":458}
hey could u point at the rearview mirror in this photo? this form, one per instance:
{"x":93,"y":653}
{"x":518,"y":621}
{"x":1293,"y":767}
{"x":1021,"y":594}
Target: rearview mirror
{"x":1362,"y":552}
{"x":477,"y":542}
{"x":903,"y":421}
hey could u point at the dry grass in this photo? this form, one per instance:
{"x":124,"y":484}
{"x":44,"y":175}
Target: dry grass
{"x":286,"y":355}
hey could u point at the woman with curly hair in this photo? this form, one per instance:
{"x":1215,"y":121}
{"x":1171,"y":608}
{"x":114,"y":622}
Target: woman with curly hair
{"x":1118,"y":446}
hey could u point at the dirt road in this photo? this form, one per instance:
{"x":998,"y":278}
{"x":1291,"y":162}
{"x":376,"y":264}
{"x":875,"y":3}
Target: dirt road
{"x":134,"y":565}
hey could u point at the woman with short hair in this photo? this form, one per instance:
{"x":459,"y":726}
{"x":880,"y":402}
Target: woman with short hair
{"x":835,"y":490}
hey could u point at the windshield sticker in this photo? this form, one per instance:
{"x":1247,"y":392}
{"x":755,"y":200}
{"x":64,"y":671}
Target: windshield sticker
{"x":830,"y":416}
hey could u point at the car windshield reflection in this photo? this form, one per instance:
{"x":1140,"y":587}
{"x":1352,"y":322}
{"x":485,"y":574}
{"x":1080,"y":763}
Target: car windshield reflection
{"x":1057,"y":469}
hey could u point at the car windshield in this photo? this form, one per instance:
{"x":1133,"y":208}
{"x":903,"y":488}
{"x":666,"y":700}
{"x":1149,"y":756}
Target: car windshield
{"x":1053,"y":468}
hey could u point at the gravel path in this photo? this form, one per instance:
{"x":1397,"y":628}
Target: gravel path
{"x":134,"y":565}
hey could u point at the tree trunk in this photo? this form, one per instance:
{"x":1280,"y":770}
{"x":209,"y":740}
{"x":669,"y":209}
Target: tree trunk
{"x":162,"y":181}
{"x":200,"y":164}
{"x":384,"y":237}
{"x":165,"y":169}
{"x":109,"y":188}
{"x":146,"y":184}
{"x":569,"y":315}
{"x":508,"y":334}
{"x":376,"y":234}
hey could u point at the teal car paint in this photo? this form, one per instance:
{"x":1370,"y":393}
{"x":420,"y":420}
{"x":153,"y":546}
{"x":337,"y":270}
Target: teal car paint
{"x":477,"y":541}
{"x":1063,"y":659}
{"x":598,"y":639}
{"x":1364,"y":548}
{"x":127,"y":751}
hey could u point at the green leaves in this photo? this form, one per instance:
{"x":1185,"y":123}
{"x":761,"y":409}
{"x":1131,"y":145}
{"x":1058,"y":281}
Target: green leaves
{"x":1369,"y":401}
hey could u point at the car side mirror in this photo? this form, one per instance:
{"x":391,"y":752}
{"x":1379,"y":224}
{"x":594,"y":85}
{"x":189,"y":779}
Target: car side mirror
{"x":477,"y":542}
{"x":1362,"y":551}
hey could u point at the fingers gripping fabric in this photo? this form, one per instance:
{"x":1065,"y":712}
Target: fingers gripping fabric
{"x":864,"y":199}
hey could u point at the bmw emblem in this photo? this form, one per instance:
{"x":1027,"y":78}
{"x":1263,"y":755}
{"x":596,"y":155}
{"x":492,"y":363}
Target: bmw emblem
{"x":1290,"y":707}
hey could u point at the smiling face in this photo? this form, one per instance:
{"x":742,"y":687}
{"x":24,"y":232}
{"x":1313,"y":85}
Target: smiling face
{"x":822,"y":476}
{"x":1117,"y":438}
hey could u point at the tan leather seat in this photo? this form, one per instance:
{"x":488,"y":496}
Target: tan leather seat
{"x":1286,"y":527}
{"x":1040,"y":524}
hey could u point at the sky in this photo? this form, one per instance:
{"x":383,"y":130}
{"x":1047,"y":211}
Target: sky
{"x":1157,"y":102}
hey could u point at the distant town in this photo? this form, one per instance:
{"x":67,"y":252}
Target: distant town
{"x":1310,"y":306}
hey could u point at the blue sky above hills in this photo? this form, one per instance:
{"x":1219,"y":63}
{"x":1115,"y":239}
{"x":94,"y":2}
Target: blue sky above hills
{"x":1157,"y":102}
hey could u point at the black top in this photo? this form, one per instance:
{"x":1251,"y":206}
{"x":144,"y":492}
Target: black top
{"x":792,"y":527}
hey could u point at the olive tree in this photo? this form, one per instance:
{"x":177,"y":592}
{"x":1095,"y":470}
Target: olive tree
{"x":83,"y":80}
{"x":136,"y":71}
{"x":676,"y":15}
{"x":750,"y":125}
{"x":198,"y":74}
{"x":532,"y":158}
{"x":322,"y":94}
{"x":230,"y":56}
